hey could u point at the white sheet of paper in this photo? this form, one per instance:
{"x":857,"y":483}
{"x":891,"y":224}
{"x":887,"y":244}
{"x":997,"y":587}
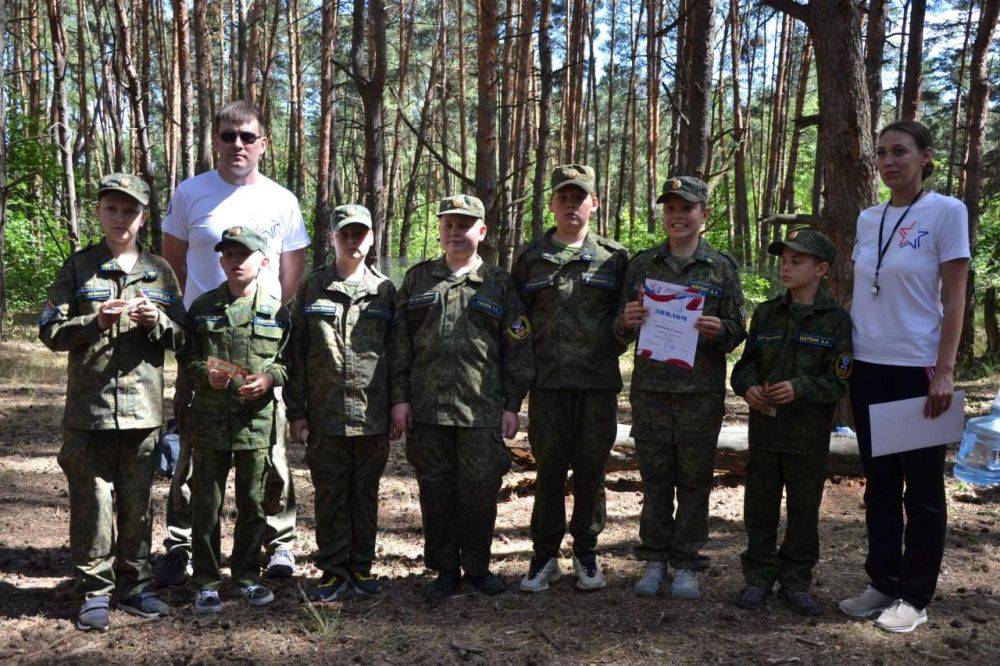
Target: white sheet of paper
{"x":668,"y":334}
{"x":900,"y":425}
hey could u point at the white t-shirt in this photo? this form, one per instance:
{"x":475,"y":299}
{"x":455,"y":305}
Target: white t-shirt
{"x":204,"y":206}
{"x":903,"y":325}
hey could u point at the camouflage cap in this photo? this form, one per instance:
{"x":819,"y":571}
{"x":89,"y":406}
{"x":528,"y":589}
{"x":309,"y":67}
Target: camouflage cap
{"x":579,"y":175}
{"x":245,"y":236}
{"x":347,"y":214}
{"x":688,"y":188}
{"x":462,"y":204}
{"x":126,"y":183}
{"x":806,"y":241}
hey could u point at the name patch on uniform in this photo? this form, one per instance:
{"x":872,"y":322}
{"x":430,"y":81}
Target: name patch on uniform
{"x":380,"y":311}
{"x":266,"y":322}
{"x":601,"y":280}
{"x":423,"y":300}
{"x":160,"y":296}
{"x":208,"y":318}
{"x":706,"y":288}
{"x":487,"y":305}
{"x":540,"y":282}
{"x":844,"y":365}
{"x":814,"y":340}
{"x":93,"y":293}
{"x":770,"y":337}
{"x":520,"y":329}
{"x":322,"y":308}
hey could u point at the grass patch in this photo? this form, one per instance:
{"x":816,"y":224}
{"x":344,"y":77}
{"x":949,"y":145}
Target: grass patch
{"x":320,"y":620}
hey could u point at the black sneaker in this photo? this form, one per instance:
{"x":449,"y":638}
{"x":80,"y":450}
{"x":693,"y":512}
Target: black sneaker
{"x":330,"y":588}
{"x":442,"y":587}
{"x":802,"y":603}
{"x":364,"y":582}
{"x":752,"y":597}
{"x":93,"y":615}
{"x":489,"y":583}
{"x":174,"y":569}
{"x":145,"y":604}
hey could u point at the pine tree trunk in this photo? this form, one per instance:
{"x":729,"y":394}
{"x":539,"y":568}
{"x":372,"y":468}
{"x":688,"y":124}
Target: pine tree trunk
{"x":956,"y":110}
{"x":3,"y":169}
{"x":186,"y":102}
{"x":741,"y":206}
{"x":914,"y":62}
{"x":788,"y":192}
{"x":463,"y":129}
{"x":776,"y":138}
{"x":61,"y":119}
{"x":544,"y":129}
{"x":325,"y":154}
{"x":692,"y":138}
{"x":486,"y":122}
{"x":653,"y":41}
{"x":203,"y":85}
{"x":979,"y":99}
{"x":874,"y":59}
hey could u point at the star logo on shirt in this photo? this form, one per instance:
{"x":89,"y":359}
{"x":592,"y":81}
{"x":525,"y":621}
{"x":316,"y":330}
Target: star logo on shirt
{"x":911,"y":236}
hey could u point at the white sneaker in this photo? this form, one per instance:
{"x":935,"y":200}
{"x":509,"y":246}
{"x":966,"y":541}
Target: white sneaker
{"x":541,"y":572}
{"x":868,"y":604}
{"x":652,"y":579}
{"x":588,"y":572}
{"x":207,"y":602}
{"x":900,"y":618}
{"x":684,"y":585}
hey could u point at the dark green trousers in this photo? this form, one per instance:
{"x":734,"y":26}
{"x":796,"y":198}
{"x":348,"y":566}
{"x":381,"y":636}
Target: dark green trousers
{"x":675,"y":439}
{"x":570,"y":429}
{"x":109,"y":473}
{"x":345,"y":473}
{"x":459,"y":471}
{"x":210,"y":469}
{"x":801,"y":476}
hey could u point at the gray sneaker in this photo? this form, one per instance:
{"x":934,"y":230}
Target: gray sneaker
{"x":257,"y":595}
{"x":652,"y":579}
{"x":207,"y":602}
{"x":281,"y":564}
{"x":684,"y":585}
{"x":868,"y":604}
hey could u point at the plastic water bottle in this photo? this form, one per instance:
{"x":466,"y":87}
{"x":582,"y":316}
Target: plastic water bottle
{"x":978,"y":459}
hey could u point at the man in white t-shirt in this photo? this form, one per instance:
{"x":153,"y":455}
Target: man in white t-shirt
{"x":202,"y":208}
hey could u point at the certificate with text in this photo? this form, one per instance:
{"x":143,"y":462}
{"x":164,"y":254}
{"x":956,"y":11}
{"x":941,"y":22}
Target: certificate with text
{"x":668,"y":334}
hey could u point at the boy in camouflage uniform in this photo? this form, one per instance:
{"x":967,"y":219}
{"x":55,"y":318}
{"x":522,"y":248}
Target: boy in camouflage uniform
{"x":460,"y":366}
{"x":233,"y":414}
{"x":570,"y":280}
{"x":338,"y":400}
{"x":793,"y":371}
{"x":677,"y":412}
{"x":115,"y":308}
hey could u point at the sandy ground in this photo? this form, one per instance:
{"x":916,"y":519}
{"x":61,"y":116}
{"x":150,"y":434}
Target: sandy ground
{"x":561,"y":626}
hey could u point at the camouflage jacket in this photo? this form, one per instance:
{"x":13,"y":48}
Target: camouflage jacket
{"x":571,"y":304}
{"x":809,"y":346}
{"x":115,"y":377}
{"x":338,"y":374}
{"x":716,"y":275}
{"x":461,"y":346}
{"x":250,"y":332}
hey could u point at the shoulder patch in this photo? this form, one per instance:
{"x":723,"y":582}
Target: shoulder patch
{"x":844,"y":365}
{"x":486,"y":305}
{"x":520,"y":329}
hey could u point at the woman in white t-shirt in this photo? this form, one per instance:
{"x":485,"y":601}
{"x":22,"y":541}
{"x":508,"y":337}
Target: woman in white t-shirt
{"x":911,"y":260}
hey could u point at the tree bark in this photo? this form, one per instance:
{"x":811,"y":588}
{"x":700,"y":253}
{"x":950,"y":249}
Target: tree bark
{"x":294,"y":168}
{"x":61,"y":119}
{"x":486,"y":122}
{"x":956,"y":110}
{"x":653,"y":41}
{"x":692,"y":139}
{"x":788,"y":193}
{"x":181,"y":26}
{"x":845,"y":130}
{"x":914,"y":62}
{"x":3,"y":170}
{"x":324,"y":152}
{"x":544,"y":129}
{"x":741,"y":205}
{"x":203,"y":85}
{"x":979,"y":99}
{"x":874,"y":59}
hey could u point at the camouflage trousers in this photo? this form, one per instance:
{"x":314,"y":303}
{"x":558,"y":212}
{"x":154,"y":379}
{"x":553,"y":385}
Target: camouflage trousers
{"x":801,"y":476}
{"x":345,"y":473}
{"x":570,"y":429}
{"x":280,"y":531}
{"x":208,"y":491}
{"x":675,"y":439}
{"x":109,"y":473}
{"x":459,"y":471}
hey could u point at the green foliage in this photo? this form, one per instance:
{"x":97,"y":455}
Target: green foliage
{"x":33,"y":246}
{"x":756,"y":288}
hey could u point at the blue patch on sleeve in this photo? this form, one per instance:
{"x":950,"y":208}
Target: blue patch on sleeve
{"x":48,"y":314}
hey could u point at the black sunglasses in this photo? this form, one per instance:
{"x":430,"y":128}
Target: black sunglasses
{"x":246,"y":138}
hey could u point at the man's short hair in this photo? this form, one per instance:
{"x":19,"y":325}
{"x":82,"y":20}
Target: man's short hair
{"x":238,"y":112}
